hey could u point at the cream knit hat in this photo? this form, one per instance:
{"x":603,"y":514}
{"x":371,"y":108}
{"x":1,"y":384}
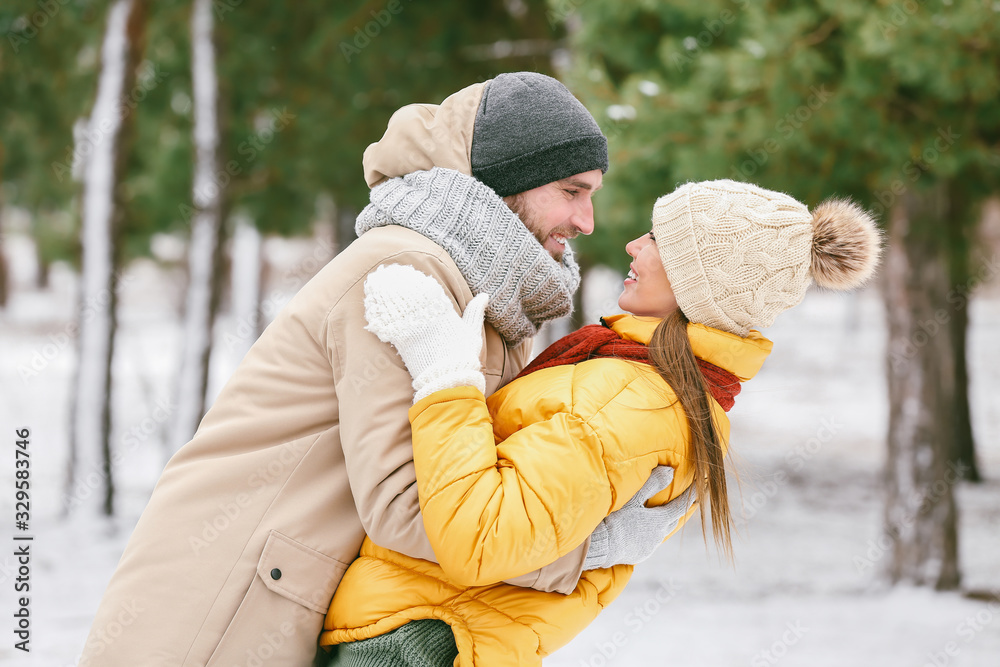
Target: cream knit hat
{"x":737,"y":255}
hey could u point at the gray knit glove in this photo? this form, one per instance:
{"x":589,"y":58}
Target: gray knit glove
{"x":410,"y":310}
{"x":630,"y":534}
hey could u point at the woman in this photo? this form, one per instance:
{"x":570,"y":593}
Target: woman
{"x":512,"y":482}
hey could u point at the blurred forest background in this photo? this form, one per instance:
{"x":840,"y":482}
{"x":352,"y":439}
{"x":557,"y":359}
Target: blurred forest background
{"x":188,"y":133}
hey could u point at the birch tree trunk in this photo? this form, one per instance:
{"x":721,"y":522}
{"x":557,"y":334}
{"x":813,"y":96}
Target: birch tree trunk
{"x":245,"y":286}
{"x":346,"y":219}
{"x":42,"y":275}
{"x":204,"y":250}
{"x":4,"y":271}
{"x":920,"y":514}
{"x":90,"y":476}
{"x":963,"y":448}
{"x":964,"y":281}
{"x":4,"y":279}
{"x":326,"y":227}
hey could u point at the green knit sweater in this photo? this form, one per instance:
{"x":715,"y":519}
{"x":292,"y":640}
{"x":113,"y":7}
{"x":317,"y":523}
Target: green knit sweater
{"x":423,"y":643}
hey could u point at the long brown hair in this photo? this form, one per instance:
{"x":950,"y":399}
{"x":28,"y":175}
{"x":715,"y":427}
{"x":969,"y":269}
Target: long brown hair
{"x":672,"y":356}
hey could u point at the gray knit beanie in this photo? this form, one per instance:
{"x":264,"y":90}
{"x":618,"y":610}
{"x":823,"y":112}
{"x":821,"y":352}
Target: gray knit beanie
{"x":530,"y":131}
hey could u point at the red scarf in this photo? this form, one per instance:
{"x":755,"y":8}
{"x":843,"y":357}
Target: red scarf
{"x":595,"y":341}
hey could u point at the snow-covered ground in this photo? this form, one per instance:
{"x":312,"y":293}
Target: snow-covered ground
{"x":808,"y":432}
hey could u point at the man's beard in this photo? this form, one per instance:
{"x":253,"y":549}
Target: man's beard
{"x":519,"y":204}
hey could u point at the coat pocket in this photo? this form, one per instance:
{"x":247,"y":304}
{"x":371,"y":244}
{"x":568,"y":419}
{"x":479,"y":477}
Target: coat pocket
{"x":281,"y":616}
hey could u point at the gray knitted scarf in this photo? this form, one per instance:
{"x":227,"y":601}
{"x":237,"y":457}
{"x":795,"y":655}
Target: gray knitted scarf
{"x":491,"y":246}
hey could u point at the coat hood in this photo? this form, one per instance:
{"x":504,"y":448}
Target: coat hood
{"x":422,"y":136}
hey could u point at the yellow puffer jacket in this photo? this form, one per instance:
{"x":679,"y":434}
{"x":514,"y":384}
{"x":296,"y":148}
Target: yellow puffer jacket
{"x":512,"y":483}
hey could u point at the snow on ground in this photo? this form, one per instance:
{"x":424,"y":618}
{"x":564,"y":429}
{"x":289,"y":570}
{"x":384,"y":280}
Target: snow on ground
{"x":802,"y":592}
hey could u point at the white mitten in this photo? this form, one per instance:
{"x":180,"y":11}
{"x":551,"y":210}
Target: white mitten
{"x":630,"y":534}
{"x":410,"y":310}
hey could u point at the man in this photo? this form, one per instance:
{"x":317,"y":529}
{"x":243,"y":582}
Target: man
{"x":307,"y":448}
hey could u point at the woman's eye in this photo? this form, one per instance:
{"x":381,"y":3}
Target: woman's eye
{"x":651,"y":237}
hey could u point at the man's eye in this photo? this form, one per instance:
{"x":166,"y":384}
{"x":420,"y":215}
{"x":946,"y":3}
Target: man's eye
{"x":572,"y":193}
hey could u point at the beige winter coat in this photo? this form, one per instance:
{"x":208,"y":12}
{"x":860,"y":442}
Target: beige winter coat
{"x":307,"y":448}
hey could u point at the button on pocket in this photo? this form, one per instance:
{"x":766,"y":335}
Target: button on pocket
{"x":304,"y":575}
{"x":281,"y":615}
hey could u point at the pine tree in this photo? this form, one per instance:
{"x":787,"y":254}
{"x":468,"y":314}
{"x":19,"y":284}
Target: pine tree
{"x":206,"y":236}
{"x":896,"y":104}
{"x":107,"y":133}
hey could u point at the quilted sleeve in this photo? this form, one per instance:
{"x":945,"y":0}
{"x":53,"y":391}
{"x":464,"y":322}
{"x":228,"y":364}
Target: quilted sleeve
{"x":492,"y":510}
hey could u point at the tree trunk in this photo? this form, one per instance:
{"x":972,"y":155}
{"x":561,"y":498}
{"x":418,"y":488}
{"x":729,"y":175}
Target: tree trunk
{"x":205,"y":247}
{"x":244,"y":287}
{"x":346,"y":219}
{"x":325,"y":229}
{"x":42,"y":277}
{"x":4,"y":271}
{"x":578,"y":316}
{"x":920,"y":514}
{"x":963,"y":452}
{"x":265,"y":309}
{"x":4,"y":280}
{"x":90,"y":476}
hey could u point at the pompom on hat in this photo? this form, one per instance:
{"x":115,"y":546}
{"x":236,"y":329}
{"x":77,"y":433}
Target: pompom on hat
{"x":737,"y":255}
